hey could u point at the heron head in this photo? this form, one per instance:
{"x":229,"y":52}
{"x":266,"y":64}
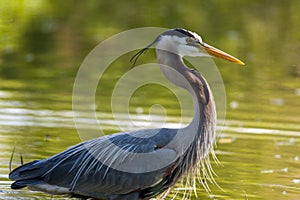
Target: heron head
{"x":187,"y":43}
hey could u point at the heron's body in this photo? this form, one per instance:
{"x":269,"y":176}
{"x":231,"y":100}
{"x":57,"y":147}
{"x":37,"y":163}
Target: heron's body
{"x":66,"y":173}
{"x":113,"y":167}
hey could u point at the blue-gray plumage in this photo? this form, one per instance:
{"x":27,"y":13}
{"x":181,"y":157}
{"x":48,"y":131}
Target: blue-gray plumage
{"x":145,"y":163}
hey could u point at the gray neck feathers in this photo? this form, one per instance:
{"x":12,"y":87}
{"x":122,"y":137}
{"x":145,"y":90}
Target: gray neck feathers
{"x":203,"y":124}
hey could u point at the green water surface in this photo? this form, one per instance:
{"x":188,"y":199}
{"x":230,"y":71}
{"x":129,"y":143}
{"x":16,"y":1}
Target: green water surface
{"x":43,"y":43}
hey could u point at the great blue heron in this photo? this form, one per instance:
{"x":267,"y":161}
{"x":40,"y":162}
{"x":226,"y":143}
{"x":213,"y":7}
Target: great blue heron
{"x":80,"y":171}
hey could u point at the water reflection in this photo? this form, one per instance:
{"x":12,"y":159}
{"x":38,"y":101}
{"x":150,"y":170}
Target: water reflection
{"x":43,"y":43}
{"x":252,"y":165}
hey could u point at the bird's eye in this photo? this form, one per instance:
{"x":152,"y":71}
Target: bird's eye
{"x":189,"y":41}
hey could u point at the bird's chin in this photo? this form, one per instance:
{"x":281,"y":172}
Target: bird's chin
{"x":199,"y":54}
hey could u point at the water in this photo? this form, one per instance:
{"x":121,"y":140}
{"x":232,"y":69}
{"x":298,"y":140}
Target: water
{"x":256,"y":162}
{"x":43,"y":44}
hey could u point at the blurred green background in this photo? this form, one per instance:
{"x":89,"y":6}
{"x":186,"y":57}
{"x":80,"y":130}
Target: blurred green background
{"x":43,"y":43}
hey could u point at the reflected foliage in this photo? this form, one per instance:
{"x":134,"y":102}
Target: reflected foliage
{"x":42,"y":44}
{"x":45,"y":42}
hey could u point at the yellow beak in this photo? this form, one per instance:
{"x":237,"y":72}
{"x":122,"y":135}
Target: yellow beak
{"x":220,"y":54}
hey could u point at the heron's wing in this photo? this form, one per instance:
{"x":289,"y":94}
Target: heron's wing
{"x":118,"y":163}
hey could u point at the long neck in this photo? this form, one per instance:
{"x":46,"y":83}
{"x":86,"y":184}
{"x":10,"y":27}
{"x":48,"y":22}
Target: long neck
{"x":202,"y":127}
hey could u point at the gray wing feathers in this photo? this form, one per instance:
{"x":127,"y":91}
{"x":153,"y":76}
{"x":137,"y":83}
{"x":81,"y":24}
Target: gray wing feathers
{"x":89,"y":168}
